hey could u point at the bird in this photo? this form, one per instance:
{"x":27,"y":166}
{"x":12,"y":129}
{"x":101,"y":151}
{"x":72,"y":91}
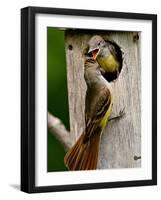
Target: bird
{"x":108,"y":54}
{"x":98,"y":107}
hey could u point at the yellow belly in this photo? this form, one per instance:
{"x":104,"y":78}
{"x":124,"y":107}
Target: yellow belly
{"x":109,"y":63}
{"x":104,"y":121}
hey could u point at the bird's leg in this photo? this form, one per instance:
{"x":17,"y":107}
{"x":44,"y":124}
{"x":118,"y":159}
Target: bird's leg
{"x":121,"y":114}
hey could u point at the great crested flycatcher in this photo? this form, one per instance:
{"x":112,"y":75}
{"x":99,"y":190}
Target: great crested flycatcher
{"x":98,"y":107}
{"x":108,"y":54}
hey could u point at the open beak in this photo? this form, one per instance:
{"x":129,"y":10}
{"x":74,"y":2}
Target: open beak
{"x":94,"y":53}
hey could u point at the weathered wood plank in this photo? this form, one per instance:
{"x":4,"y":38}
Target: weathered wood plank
{"x":121,"y":140}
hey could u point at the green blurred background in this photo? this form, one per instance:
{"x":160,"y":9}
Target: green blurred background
{"x":57,"y":95}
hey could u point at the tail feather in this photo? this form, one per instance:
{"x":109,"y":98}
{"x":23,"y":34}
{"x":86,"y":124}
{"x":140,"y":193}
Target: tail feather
{"x":72,"y":154}
{"x":83,"y":156}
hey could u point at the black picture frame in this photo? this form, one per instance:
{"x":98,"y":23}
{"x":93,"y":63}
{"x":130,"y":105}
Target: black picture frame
{"x":28,"y":98}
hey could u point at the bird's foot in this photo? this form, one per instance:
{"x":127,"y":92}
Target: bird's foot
{"x":120,"y":115}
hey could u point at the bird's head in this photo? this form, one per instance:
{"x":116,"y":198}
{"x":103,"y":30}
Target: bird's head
{"x":96,"y":44}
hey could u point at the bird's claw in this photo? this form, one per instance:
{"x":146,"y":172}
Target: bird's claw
{"x":121,"y":114}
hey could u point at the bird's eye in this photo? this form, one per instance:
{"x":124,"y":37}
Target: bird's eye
{"x":99,"y":44}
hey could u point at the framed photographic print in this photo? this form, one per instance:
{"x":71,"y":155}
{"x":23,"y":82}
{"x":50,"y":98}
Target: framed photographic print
{"x":88,"y":99}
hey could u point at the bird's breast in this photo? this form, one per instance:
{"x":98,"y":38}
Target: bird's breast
{"x":108,"y":63}
{"x":104,"y":121}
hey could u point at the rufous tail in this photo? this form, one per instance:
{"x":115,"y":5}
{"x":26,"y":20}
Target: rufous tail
{"x":84,"y":154}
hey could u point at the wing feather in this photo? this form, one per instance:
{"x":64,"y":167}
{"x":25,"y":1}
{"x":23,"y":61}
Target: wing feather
{"x":100,"y":105}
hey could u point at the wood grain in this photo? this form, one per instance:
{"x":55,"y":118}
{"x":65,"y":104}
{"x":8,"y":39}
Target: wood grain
{"x":121,"y":141}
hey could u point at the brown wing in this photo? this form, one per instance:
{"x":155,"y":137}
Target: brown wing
{"x":96,"y":107}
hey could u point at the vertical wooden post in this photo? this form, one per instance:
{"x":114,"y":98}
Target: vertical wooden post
{"x":121,"y":142}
